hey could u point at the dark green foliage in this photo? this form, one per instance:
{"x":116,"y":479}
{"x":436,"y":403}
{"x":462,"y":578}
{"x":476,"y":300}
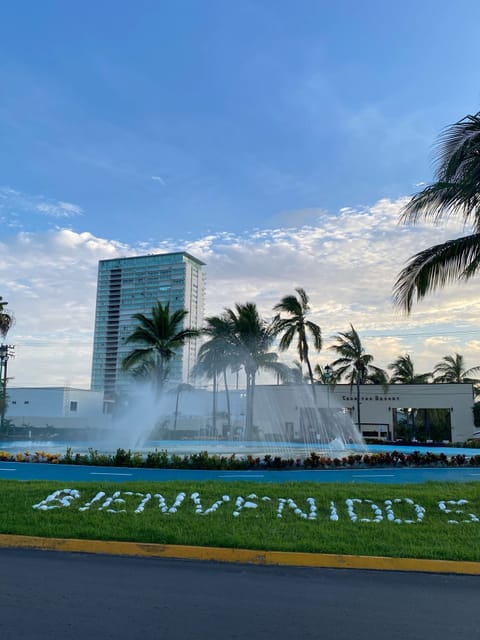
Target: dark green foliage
{"x":6,"y":318}
{"x":157,"y":459}
{"x":403,"y":372}
{"x":203,"y":460}
{"x":297,"y":327}
{"x":157,"y":338}
{"x":353,"y":364}
{"x":454,"y":194}
{"x":249,"y":343}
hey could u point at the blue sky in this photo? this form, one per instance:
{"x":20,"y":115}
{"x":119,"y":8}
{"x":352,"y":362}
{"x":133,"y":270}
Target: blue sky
{"x":218,"y":124}
{"x":243,"y":111}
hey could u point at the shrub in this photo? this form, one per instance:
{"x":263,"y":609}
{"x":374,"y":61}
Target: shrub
{"x":122,"y":458}
{"x":157,"y":459}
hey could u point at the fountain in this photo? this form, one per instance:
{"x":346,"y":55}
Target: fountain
{"x":287,"y":423}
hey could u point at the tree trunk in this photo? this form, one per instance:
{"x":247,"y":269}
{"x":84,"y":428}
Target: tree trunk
{"x":249,"y":408}
{"x":310,"y":372}
{"x":227,"y":398}
{"x":176,"y":409}
{"x":214,"y":405}
{"x":160,"y":378}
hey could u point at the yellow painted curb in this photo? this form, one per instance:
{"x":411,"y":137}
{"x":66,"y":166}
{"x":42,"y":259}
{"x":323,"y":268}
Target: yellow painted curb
{"x":245,"y":556}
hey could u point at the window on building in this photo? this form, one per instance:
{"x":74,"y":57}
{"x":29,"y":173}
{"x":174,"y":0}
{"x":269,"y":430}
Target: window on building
{"x":73,"y":405}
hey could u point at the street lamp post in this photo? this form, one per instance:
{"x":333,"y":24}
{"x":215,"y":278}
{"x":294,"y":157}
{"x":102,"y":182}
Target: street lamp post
{"x":6,"y":351}
{"x":359,"y":369}
{"x":327,"y":374}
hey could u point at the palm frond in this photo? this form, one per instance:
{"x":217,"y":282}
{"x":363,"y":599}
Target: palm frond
{"x":436,"y":266}
{"x":158,"y":337}
{"x":456,"y":192}
{"x":135,"y":357}
{"x":442,"y":200}
{"x":289,"y":304}
{"x":457,"y":144}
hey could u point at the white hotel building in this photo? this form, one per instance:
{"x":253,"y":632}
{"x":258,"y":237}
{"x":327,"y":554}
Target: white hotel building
{"x":281,"y":412}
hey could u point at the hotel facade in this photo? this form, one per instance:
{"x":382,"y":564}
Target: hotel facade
{"x":127,"y":286}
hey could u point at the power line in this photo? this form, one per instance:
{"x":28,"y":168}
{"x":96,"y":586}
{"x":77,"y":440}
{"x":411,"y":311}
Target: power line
{"x":416,"y":334}
{"x":420,"y":334}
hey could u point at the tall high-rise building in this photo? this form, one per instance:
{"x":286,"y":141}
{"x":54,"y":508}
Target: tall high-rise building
{"x":133,"y":285}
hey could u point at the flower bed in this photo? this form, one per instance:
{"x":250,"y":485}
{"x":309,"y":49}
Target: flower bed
{"x":163,"y":460}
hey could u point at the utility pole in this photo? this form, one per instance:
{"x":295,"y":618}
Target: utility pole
{"x":6,"y":352}
{"x":360,"y":371}
{"x":327,"y":375}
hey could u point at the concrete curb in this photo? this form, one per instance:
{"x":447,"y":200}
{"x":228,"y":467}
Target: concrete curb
{"x":244,"y":556}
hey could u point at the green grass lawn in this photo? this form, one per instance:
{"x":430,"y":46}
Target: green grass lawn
{"x":256,"y":527}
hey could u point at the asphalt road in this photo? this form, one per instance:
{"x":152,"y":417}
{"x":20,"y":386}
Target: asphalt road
{"x":76,"y":596}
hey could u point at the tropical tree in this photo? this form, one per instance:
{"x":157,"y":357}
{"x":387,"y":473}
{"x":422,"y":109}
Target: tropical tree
{"x":250,"y":341}
{"x":377,"y":376}
{"x":354,"y":365}
{"x":403,"y":372}
{"x":158,"y":337}
{"x":297,"y":326}
{"x":452,"y":369}
{"x":454,"y":193}
{"x":149,"y":370}
{"x":6,"y":319}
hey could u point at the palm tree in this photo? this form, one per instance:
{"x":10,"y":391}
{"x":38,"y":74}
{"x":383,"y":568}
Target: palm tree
{"x":404,"y":373}
{"x":354,"y":364}
{"x":6,"y":319}
{"x":215,"y":358}
{"x":451,"y":369}
{"x":297,"y":326}
{"x":158,"y":337}
{"x":250,"y":340}
{"x":455,"y":193}
{"x":149,"y":370}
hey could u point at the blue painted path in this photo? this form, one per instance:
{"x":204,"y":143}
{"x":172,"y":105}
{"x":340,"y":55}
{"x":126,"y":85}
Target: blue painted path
{"x":72,"y":473}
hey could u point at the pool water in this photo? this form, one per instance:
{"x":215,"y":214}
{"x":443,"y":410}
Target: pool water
{"x":227,"y":448}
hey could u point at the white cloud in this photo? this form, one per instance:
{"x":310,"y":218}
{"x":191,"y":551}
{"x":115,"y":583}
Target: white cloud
{"x":14,"y":202}
{"x":346,"y":263}
{"x":58,"y":209}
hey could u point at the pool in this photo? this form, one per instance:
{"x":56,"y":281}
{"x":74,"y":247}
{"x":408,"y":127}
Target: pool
{"x":228,"y":447}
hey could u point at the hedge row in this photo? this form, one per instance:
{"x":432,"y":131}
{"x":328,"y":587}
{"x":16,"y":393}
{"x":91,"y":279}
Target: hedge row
{"x":163,"y":460}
